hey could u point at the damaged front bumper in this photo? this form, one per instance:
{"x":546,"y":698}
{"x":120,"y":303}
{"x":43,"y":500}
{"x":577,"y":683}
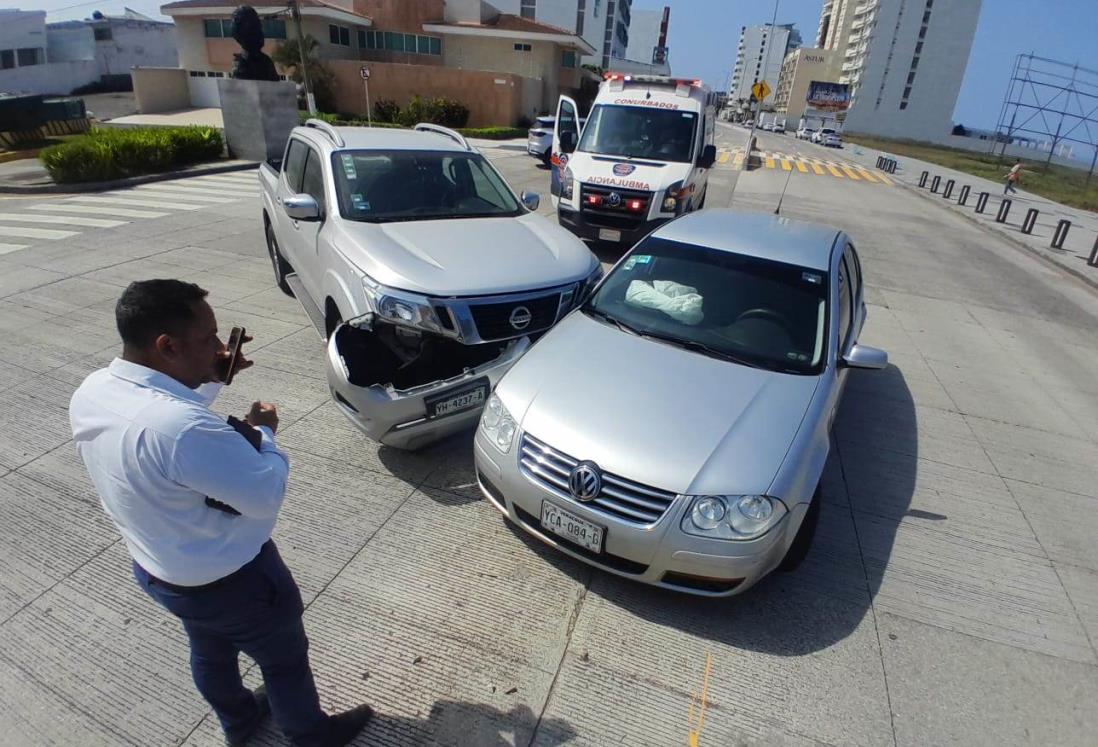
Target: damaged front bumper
{"x":415,"y":414}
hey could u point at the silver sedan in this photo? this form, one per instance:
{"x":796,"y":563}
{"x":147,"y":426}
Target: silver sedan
{"x":675,"y":427}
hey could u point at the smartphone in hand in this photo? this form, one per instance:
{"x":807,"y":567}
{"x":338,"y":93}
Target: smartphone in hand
{"x":227,"y":366}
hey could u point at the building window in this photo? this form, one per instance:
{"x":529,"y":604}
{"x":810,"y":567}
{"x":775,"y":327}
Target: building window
{"x":903,"y":105}
{"x":213,"y":29}
{"x":922,"y":32}
{"x":568,"y":58}
{"x":907,"y":92}
{"x":7,"y":59}
{"x":911,"y":77}
{"x":581,"y":11}
{"x":918,"y":49}
{"x":101,"y":33}
{"x":29,"y":56}
{"x":274,"y":28}
{"x":528,"y":8}
{"x":522,"y":47}
{"x":396,"y":42}
{"x":340,"y":35}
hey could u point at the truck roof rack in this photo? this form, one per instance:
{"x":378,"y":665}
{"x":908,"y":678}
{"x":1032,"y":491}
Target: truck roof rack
{"x":455,"y":136}
{"x":327,"y":129}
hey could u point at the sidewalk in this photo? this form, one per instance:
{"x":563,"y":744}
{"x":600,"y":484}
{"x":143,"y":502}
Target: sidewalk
{"x":29,"y":176}
{"x":1081,"y":236}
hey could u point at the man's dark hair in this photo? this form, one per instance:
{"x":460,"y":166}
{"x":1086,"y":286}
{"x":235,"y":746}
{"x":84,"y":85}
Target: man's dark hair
{"x":150,"y":308}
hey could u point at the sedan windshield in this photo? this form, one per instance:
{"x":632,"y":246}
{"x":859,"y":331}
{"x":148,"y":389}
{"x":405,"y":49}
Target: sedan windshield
{"x":748,"y":310}
{"x":640,"y":132}
{"x":378,"y":186}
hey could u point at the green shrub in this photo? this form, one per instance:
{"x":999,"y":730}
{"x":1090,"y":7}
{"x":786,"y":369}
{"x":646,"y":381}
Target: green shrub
{"x":386,"y":110}
{"x":493,"y":133}
{"x":105,"y":154}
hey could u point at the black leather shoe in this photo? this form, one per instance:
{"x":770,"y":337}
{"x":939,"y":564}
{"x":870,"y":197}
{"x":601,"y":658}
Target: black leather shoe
{"x":344,"y":727}
{"x":264,"y":706}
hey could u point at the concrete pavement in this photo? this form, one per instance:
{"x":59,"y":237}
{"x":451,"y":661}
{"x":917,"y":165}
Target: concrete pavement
{"x":951,"y":596}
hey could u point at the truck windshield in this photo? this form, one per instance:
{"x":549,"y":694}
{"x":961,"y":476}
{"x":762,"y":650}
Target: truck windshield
{"x":640,"y":132}
{"x":376,"y":186}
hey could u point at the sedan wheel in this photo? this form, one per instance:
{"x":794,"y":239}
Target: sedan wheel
{"x":799,"y":549}
{"x":281,"y":267}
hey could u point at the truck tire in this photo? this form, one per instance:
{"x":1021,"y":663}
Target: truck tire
{"x":803,"y":541}
{"x":280,"y":266}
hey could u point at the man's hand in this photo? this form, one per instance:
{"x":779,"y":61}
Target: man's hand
{"x":262,"y":414}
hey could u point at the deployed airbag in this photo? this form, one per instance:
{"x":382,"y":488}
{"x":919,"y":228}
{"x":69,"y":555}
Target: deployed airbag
{"x":680,"y":302}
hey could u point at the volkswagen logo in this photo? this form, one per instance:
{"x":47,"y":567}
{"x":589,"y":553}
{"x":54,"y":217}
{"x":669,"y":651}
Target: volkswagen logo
{"x":613,"y":199}
{"x":585,"y":482}
{"x":520,"y":317}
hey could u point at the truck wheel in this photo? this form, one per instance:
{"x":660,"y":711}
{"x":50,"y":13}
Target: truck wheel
{"x":799,"y":549}
{"x":545,"y":157}
{"x":281,"y":267}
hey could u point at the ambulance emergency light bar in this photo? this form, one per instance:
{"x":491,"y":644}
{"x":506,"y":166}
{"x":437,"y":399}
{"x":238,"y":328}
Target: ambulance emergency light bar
{"x":619,"y":81}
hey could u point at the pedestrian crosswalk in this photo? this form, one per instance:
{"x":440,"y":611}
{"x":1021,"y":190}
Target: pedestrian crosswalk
{"x":58,"y":219}
{"x":804,"y":164}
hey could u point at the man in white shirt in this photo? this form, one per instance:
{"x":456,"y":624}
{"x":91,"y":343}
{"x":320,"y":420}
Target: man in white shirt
{"x":196,"y":503}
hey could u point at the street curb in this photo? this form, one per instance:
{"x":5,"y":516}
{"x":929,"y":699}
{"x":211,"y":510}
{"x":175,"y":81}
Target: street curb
{"x":1032,"y":251}
{"x":204,"y":170}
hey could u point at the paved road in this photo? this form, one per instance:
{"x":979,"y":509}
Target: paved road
{"x":951,"y":597}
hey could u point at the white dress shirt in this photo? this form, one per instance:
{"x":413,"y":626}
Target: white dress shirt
{"x":155,"y":452}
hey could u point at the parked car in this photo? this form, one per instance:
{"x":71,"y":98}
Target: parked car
{"x":778,"y":128}
{"x":674,"y":429}
{"x":539,"y":141}
{"x":426,"y":273}
{"x":805,"y":133}
{"x":818,"y":135}
{"x":831,"y":140}
{"x":767,"y":127}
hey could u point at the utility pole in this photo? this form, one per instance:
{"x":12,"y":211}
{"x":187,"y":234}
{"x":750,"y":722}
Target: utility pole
{"x":310,"y":102}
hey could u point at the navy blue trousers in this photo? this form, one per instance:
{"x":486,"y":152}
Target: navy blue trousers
{"x":256,"y":610}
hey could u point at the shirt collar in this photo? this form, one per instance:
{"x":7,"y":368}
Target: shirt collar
{"x":153,"y":379}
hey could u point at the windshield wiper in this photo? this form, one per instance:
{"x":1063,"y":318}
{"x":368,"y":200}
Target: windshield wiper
{"x":612,"y":320}
{"x":701,"y":347}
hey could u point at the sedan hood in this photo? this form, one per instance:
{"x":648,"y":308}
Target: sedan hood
{"x":466,"y":256}
{"x":660,"y":415}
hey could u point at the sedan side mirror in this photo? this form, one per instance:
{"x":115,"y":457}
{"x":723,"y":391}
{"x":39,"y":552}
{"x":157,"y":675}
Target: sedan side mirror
{"x":708,"y":156}
{"x":302,"y":207}
{"x":863,"y":356}
{"x":531,"y":200}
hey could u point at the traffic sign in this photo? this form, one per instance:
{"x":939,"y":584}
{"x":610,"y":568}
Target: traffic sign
{"x":364,"y":72}
{"x":761,"y":90}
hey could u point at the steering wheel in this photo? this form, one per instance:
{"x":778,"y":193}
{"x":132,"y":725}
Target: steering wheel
{"x":769,"y":315}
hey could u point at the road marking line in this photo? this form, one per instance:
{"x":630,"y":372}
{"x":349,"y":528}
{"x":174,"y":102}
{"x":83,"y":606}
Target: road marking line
{"x":725,"y":155}
{"x":124,"y":201}
{"x":866,"y":175}
{"x":851,"y":173}
{"x":787,"y":165}
{"x":738,"y":160}
{"x":9,"y":248}
{"x":769,"y":161}
{"x":694,"y":734}
{"x":109,"y":210}
{"x":74,"y":220}
{"x":35,"y":233}
{"x":205,"y":195}
{"x":817,"y":168}
{"x":885,"y":179}
{"x":230,"y":181}
{"x":801,"y":167}
{"x":834,"y":171}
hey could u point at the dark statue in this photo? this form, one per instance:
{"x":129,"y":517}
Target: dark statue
{"x":252,"y":64}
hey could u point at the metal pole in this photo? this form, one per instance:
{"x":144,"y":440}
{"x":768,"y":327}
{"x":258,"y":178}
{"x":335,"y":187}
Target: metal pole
{"x":1090,"y":173}
{"x":369,"y":118}
{"x":310,"y":102}
{"x":766,"y":64}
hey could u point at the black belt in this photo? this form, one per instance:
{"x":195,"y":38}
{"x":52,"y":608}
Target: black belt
{"x":213,"y":584}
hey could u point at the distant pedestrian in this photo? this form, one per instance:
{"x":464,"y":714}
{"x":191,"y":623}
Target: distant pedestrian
{"x":1013,"y":177}
{"x":196,"y":499}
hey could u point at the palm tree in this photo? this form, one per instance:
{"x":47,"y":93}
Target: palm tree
{"x":321,"y":79}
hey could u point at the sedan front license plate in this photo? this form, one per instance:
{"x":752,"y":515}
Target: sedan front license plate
{"x":458,"y":400}
{"x":571,"y":527}
{"x":609,"y":234}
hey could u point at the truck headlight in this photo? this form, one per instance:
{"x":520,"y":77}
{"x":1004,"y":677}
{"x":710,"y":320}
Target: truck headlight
{"x":398,"y":307}
{"x":732,"y":517}
{"x":567,"y":184}
{"x":497,"y":424}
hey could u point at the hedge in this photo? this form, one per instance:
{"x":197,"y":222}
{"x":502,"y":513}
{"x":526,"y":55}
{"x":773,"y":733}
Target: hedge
{"x":106,"y":154}
{"x":485,"y":133}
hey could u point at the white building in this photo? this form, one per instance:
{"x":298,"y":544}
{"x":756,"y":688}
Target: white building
{"x":22,"y":38}
{"x":604,"y":24}
{"x":648,"y":41}
{"x":904,"y":61}
{"x":759,"y":57}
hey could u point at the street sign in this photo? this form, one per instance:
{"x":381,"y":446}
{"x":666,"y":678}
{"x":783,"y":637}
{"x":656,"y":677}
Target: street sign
{"x":761,"y":90}
{"x":364,"y":72}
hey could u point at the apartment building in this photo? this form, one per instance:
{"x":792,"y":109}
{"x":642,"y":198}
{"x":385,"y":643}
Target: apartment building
{"x":904,"y":61}
{"x":799,"y":69}
{"x":759,"y":57}
{"x":604,"y":24}
{"x":648,"y":39}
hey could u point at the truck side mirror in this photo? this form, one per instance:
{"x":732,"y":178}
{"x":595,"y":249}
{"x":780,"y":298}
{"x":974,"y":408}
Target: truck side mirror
{"x":708,"y":157}
{"x":302,"y":207}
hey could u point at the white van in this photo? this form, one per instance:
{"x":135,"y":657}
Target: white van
{"x":643,"y":156}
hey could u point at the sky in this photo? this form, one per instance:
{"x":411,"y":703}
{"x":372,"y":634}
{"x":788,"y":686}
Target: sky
{"x":704,"y":34}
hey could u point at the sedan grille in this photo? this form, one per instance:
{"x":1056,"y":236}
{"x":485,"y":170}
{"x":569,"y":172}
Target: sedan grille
{"x":499,"y":321}
{"x":620,"y":498}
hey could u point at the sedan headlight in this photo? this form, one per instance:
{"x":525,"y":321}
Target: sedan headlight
{"x":566,"y":184}
{"x":497,"y":424}
{"x":732,"y":517}
{"x":399,"y":307}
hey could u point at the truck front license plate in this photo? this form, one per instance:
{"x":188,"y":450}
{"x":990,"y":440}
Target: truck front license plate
{"x":466,"y":398}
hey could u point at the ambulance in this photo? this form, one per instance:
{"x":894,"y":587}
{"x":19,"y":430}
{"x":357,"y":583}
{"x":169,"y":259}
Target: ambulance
{"x":642,"y":157}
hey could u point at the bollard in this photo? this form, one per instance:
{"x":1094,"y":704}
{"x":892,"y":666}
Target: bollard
{"x":934,"y":183}
{"x":981,"y":202}
{"x":948,"y":191}
{"x":922,"y":179}
{"x":963,"y":198}
{"x":1093,"y":260}
{"x":880,"y":160}
{"x":1061,"y":233}
{"x":1004,"y":210}
{"x":1030,"y":221}
{"x":892,"y":166}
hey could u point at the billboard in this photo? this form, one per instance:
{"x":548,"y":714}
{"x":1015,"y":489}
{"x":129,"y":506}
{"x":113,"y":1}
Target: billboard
{"x":833,"y":97}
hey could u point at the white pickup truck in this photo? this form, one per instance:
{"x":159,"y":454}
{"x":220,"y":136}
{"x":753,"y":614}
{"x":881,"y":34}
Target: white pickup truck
{"x":426,"y":274}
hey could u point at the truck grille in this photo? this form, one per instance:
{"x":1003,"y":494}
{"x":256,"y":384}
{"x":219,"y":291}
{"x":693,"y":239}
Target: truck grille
{"x":620,"y":498}
{"x":597,"y":210}
{"x":493,"y":320}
